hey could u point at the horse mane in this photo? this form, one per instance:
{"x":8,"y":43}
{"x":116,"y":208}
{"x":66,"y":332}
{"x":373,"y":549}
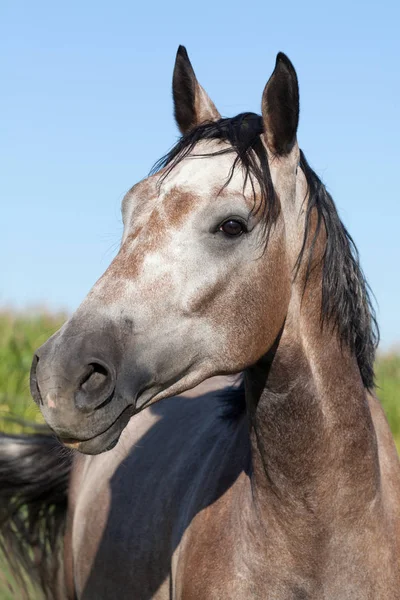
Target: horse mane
{"x":346,"y":304}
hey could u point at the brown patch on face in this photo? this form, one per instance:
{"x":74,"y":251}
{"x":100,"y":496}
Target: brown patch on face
{"x":128,"y":263}
{"x":138,"y":202}
{"x":178,"y":205}
{"x":144,"y":188}
{"x":114,"y":291}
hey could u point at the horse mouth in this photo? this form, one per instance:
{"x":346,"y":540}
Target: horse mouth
{"x":103,"y":441}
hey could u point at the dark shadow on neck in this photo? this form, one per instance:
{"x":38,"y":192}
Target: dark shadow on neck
{"x":185,"y":462}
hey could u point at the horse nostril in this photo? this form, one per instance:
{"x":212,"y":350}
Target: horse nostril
{"x":94,"y":378}
{"x":96,"y":387}
{"x":34,"y":387}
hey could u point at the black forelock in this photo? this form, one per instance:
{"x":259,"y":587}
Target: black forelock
{"x":346,"y":305}
{"x":243,"y":136}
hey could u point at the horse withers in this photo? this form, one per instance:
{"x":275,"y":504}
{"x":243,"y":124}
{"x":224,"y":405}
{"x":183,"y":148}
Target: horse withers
{"x":285,"y":486}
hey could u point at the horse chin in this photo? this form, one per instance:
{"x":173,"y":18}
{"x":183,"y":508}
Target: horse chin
{"x":104,"y":441}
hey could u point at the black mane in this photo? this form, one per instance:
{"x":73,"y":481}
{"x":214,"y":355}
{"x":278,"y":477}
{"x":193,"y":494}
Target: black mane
{"x":346,"y":305}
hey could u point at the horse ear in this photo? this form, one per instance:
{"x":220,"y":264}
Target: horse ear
{"x":192,"y":105}
{"x":280,"y":107}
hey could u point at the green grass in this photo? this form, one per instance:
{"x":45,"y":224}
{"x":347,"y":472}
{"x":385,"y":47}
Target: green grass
{"x":388,"y":390}
{"x":10,"y":589}
{"x":21,"y":334}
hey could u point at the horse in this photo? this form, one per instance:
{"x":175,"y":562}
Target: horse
{"x":217,"y":434}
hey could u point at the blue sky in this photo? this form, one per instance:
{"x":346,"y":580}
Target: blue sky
{"x":86,"y":109}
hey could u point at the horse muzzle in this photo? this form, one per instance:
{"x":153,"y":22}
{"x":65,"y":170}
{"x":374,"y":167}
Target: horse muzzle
{"x":74,"y":382}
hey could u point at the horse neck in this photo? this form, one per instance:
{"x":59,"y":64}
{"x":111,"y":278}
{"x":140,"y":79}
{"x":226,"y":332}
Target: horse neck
{"x":314,"y":448}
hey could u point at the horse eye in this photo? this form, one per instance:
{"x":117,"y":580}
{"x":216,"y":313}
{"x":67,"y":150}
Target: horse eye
{"x":232,"y":228}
